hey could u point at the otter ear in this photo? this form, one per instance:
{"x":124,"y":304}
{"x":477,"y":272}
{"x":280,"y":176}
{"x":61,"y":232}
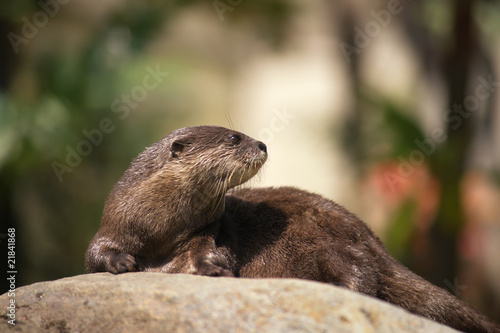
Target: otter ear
{"x":177,"y":148}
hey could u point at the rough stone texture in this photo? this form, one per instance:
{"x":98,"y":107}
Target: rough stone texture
{"x":155,"y":302}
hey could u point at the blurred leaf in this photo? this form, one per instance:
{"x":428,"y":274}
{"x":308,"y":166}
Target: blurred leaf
{"x":398,"y":237}
{"x":402,"y":128}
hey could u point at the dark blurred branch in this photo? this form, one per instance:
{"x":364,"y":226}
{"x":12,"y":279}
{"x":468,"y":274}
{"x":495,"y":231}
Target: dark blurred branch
{"x":7,"y":55}
{"x":351,"y":134}
{"x":450,"y":161}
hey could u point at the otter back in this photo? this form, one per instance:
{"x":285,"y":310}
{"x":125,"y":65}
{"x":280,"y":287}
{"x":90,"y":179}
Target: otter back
{"x":288,"y":233}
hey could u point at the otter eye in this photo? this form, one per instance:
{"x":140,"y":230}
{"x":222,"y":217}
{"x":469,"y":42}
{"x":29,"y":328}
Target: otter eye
{"x":235,"y":139}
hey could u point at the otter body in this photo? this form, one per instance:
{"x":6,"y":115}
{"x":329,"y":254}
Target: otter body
{"x":170,"y":213}
{"x":289,"y":233}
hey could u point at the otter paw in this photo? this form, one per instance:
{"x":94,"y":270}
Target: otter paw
{"x":226,"y":272}
{"x":213,"y":270}
{"x":340,"y":284}
{"x":121,"y":263}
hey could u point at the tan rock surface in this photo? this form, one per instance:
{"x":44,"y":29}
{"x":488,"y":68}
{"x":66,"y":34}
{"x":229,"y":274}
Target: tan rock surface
{"x":154,"y":302}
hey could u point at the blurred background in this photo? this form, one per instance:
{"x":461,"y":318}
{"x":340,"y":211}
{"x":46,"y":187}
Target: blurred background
{"x":389,"y":108}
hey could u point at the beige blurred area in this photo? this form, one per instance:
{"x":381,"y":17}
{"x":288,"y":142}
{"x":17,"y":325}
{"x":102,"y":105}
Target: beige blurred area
{"x":343,"y":125}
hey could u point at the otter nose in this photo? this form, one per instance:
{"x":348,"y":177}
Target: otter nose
{"x":262,"y":146}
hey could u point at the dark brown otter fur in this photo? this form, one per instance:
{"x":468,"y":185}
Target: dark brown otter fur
{"x":163,"y":213}
{"x":167,"y":214}
{"x":289,"y":233}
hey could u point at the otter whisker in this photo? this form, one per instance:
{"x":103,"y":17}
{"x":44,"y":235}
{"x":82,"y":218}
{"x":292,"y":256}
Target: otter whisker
{"x":219,"y":198}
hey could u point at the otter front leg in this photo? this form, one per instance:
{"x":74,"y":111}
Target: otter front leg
{"x":208,"y":258}
{"x":102,"y":257}
{"x":205,"y":267}
{"x":199,"y":258}
{"x":120,"y":263}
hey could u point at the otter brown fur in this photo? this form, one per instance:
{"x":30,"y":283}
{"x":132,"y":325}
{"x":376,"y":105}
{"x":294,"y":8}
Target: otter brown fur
{"x":289,"y":233}
{"x":163,"y":213}
{"x":258,"y":233}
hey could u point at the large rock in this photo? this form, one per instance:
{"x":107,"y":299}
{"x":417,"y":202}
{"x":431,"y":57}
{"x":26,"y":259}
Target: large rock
{"x":154,"y":302}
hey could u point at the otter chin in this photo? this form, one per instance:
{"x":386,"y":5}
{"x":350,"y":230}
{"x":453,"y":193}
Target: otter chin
{"x":241,"y":175}
{"x":175,"y":210}
{"x":162,"y":215}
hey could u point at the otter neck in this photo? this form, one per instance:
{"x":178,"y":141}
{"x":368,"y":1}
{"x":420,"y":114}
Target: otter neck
{"x":204,"y":208}
{"x":184,"y":214}
{"x":199,"y":203}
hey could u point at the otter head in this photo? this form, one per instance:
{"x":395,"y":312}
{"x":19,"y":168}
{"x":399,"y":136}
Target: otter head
{"x":178,"y":185}
{"x":183,"y":179}
{"x":215,"y":158}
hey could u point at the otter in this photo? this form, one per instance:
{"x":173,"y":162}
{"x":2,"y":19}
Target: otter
{"x":286,"y":232}
{"x":164,"y":212}
{"x":176,"y":210}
